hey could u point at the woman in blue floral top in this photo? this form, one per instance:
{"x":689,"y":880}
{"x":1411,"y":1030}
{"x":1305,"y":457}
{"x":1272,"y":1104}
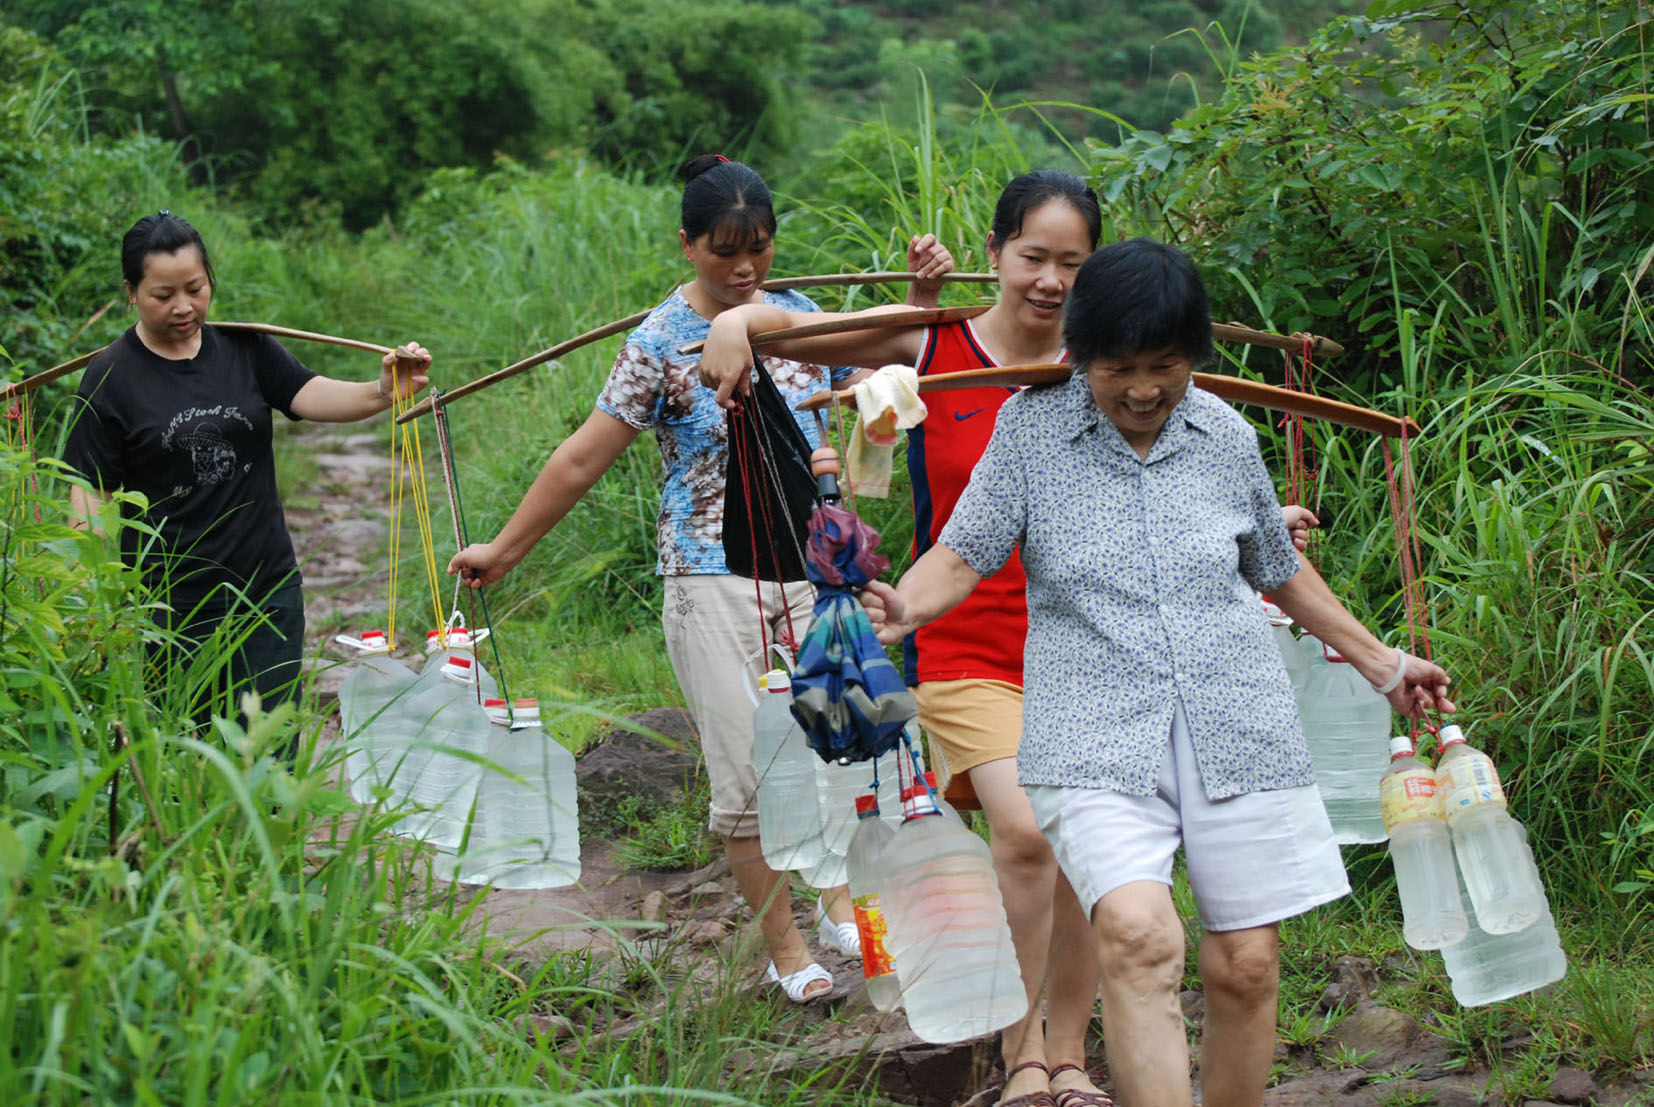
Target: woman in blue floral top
{"x":1157,"y":711}
{"x":712,"y":619}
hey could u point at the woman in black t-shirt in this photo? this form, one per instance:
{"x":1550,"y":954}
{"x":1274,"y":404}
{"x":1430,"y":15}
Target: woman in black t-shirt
{"x":180,"y":411}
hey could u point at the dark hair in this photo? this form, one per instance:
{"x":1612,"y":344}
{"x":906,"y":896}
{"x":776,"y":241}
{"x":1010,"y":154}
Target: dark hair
{"x":162,"y":233}
{"x":1134,"y":297}
{"x":1030,"y":190}
{"x":725,"y":197}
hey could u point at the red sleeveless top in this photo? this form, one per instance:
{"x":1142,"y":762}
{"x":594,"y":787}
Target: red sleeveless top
{"x":983,"y":637}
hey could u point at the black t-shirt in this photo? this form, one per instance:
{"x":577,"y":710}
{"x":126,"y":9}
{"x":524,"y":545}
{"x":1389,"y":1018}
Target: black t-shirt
{"x":193,"y":435}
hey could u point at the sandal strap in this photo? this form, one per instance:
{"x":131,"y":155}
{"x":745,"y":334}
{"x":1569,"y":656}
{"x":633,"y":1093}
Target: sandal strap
{"x":1066,"y":1067}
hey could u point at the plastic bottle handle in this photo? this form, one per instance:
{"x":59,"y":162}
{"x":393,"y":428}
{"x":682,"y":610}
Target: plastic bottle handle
{"x":749,"y":682}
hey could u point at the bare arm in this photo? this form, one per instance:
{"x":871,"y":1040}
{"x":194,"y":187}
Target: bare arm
{"x":84,"y":508}
{"x":930,"y":260}
{"x":726,"y":359}
{"x":1312,"y":605}
{"x":574,"y":466}
{"x":936,"y":584}
{"x":402,"y":373}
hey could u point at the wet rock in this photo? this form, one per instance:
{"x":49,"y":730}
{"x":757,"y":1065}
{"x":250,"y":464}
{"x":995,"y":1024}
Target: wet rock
{"x":1573,"y":1086}
{"x":653,"y":758}
{"x":705,"y":933}
{"x":1391,"y":1038}
{"x":654,"y":907}
{"x":708,"y":890}
{"x":1193,"y":1004}
{"x":1354,"y":981}
{"x":1323,"y":1089}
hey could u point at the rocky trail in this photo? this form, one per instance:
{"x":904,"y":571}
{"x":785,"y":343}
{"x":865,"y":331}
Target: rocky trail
{"x":687,"y":924}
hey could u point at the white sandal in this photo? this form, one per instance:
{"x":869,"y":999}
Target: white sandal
{"x":842,"y":937}
{"x":795,"y":984}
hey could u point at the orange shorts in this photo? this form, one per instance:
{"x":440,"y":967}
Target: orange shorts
{"x":969,"y":723}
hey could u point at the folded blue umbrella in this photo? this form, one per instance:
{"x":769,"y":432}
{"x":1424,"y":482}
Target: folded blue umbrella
{"x":847,"y":696}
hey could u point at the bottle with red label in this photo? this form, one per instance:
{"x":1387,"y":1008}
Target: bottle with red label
{"x":1421,"y":851}
{"x":1491,"y":847}
{"x":867,"y":845}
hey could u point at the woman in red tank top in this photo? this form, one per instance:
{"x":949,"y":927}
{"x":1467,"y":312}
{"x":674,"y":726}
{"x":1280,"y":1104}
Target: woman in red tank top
{"x":966,"y":668}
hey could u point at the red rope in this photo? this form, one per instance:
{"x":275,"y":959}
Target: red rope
{"x":20,"y":414}
{"x":743,"y":466}
{"x":1302,"y":485}
{"x":1398,"y":481}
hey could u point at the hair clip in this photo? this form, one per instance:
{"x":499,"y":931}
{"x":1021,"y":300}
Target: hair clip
{"x":165,"y":212}
{"x":721,"y":158}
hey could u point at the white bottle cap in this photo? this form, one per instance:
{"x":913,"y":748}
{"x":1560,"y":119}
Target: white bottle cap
{"x":525,"y":714}
{"x":497,"y":713}
{"x":371,"y":642}
{"x":459,"y":638}
{"x":459,"y":670}
{"x":1401,"y":746}
{"x":1449,"y":735}
{"x":1276,"y":617}
{"x":777,"y":680}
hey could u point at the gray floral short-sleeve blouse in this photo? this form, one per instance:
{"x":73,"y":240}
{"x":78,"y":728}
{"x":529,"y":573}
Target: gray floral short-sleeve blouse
{"x":1142,"y":581}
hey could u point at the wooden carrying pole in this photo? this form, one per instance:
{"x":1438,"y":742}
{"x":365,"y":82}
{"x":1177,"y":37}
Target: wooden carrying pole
{"x":568,"y":346}
{"x":29,"y":384}
{"x":1233,"y":389}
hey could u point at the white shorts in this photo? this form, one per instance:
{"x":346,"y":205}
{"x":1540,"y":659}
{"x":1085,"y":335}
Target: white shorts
{"x":1252,"y":859}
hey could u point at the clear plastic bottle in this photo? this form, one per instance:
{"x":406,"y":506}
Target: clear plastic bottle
{"x":447,"y":735}
{"x":1486,"y":968}
{"x":1292,"y":654}
{"x":527,"y":829}
{"x":946,"y":927}
{"x":367,"y":716}
{"x":1347,"y":726}
{"x":868,"y":844}
{"x":462,"y":643}
{"x":1421,"y":851}
{"x":789,"y":812}
{"x":1490,"y":845}
{"x":838,"y":788}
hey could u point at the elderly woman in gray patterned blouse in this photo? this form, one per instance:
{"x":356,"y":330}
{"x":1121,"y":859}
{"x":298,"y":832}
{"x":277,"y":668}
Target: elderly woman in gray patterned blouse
{"x":1158,"y":713}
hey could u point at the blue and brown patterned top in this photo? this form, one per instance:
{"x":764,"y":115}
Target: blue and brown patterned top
{"x":1141,"y":579}
{"x":653,"y":387}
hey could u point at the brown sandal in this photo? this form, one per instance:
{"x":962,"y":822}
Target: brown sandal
{"x":1078,"y":1097}
{"x":1032,"y":1099}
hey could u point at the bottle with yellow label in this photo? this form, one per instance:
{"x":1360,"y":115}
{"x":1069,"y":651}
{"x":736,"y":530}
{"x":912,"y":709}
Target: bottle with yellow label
{"x":1490,"y":845}
{"x":1421,"y":851}
{"x":866,"y":847}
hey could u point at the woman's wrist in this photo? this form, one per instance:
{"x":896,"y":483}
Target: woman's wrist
{"x":1392,"y":680}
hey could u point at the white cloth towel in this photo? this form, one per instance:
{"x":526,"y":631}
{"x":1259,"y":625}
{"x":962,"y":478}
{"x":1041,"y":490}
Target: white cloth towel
{"x":888,"y":402}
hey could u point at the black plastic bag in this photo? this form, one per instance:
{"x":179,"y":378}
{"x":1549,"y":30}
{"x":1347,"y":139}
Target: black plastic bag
{"x":769,"y":490}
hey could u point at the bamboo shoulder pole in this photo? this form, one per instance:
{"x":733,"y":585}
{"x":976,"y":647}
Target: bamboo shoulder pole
{"x":1233,"y":389}
{"x":896,"y":317}
{"x":29,"y":384}
{"x":550,"y":353}
{"x":780,"y":284}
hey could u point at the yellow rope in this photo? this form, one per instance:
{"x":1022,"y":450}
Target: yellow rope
{"x":409,"y":464}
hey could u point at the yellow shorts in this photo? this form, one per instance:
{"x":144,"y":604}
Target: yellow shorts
{"x":969,"y":723}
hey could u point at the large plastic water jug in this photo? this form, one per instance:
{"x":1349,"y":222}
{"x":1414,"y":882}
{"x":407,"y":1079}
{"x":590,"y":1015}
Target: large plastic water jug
{"x":527,"y":830}
{"x":1292,"y":654}
{"x":1490,"y":845}
{"x":789,"y":810}
{"x":947,"y":931}
{"x":838,"y":787}
{"x":1347,"y":726}
{"x":1421,"y":851}
{"x":1485,"y":968}
{"x":447,"y":736}
{"x":867,"y":845}
{"x":367,"y":717}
